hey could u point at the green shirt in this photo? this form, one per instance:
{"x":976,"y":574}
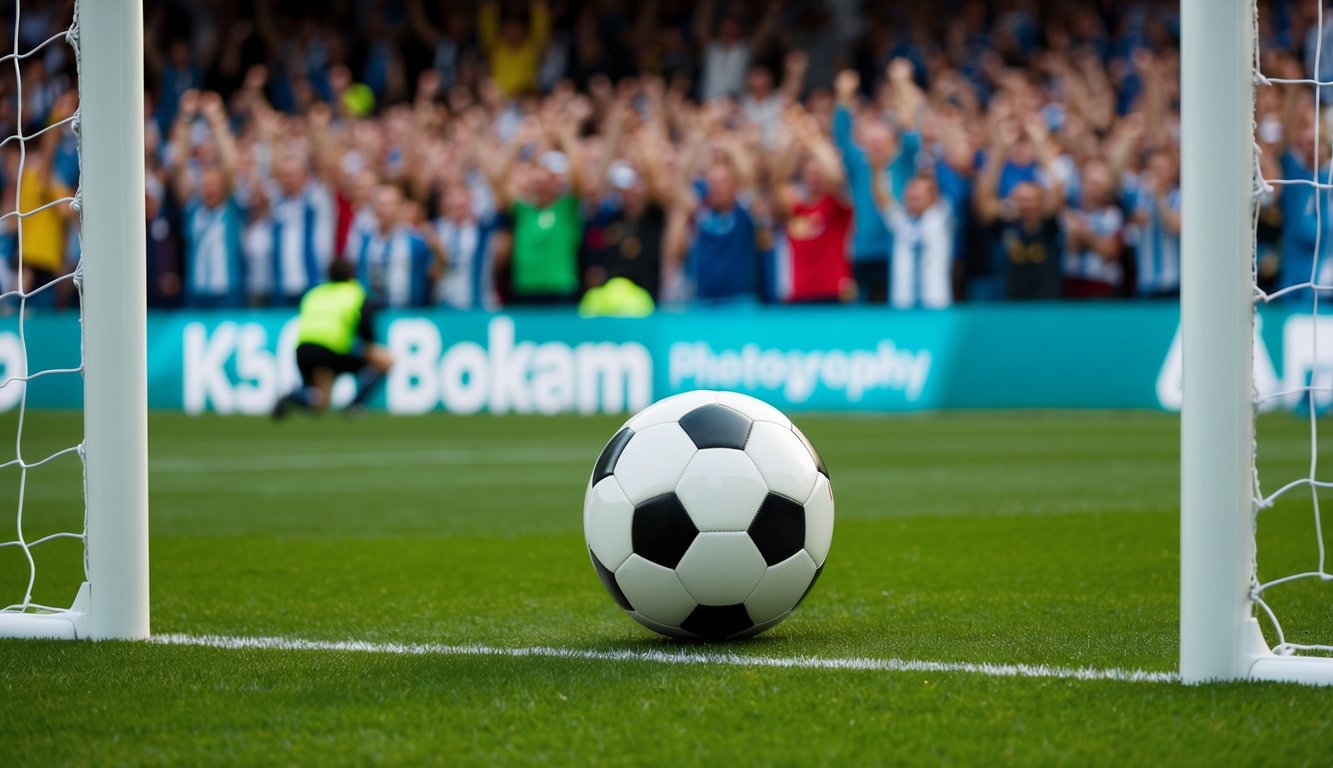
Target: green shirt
{"x":330,"y":315}
{"x":546,"y":246}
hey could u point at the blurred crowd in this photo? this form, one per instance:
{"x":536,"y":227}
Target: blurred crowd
{"x":485,"y":154}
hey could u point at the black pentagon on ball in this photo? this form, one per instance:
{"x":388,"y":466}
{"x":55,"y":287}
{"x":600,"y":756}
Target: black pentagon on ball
{"x":716,"y":622}
{"x":716,"y":426}
{"x":662,"y":530}
{"x":609,"y":581}
{"x":606,"y":463}
{"x":819,"y":462}
{"x":778,"y":528}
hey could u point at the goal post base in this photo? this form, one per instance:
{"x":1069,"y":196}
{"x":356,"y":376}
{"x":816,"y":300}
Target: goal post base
{"x":1307,"y":670}
{"x":1259,"y":664}
{"x":62,"y":625}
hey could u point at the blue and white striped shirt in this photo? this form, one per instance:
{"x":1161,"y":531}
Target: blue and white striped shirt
{"x":394,"y":269}
{"x":1158,"y":247}
{"x":214,"y":264}
{"x":467,"y":281}
{"x":303,"y":227}
{"x":1088,"y":264}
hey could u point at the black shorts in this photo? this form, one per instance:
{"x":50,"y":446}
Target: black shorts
{"x":312,"y":357}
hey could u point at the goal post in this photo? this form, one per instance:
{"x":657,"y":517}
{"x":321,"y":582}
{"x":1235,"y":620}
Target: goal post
{"x":1216,"y":326}
{"x":112,"y":603}
{"x":115,"y":378}
{"x":1219,"y":637}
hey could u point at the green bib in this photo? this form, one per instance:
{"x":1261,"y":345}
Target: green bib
{"x":330,"y":314}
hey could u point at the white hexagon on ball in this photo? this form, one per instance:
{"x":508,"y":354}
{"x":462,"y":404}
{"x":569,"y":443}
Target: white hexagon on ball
{"x":721,"y":489}
{"x":754,"y":408}
{"x":781,"y":588}
{"x":782,"y":459}
{"x":654,"y":591}
{"x":652,"y":462}
{"x":819,"y":521}
{"x":721,"y":568}
{"x":607,"y":520}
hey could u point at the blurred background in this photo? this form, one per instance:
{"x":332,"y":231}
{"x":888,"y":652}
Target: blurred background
{"x":621,"y":157}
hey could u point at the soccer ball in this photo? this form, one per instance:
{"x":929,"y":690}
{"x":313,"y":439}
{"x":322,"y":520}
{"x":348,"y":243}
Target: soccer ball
{"x":708,"y":516}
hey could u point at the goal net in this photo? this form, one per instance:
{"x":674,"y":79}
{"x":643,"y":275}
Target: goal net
{"x":75,"y":565}
{"x":1254,"y":580}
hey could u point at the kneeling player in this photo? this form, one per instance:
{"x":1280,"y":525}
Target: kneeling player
{"x":335,"y":335}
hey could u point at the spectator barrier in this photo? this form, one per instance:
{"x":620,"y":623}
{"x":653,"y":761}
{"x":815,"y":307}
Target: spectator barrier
{"x":825,"y":359}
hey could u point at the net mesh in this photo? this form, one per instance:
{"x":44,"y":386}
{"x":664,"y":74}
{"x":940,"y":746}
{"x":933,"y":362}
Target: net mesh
{"x":1310,"y":396}
{"x":27,"y":289}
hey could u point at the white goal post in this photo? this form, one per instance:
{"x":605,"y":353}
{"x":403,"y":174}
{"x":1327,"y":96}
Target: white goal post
{"x":1220,"y":638}
{"x":113,"y":601}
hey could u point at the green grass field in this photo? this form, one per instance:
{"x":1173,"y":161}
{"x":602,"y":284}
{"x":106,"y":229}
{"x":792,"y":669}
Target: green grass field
{"x":1012,"y":538}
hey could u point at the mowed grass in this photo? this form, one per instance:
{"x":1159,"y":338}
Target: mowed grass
{"x":1040,"y":538}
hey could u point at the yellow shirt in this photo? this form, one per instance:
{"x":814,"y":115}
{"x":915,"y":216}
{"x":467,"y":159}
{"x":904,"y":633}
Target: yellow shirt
{"x":514,"y":68}
{"x":44,"y":231}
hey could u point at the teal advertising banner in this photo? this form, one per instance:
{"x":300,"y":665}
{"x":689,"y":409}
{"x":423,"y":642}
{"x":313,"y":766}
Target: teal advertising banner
{"x":824,"y":359}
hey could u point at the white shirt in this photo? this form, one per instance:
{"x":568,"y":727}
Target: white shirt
{"x":257,"y":242}
{"x":922,"y":257}
{"x":724,"y":69}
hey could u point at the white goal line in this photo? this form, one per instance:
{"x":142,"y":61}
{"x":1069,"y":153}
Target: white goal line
{"x":687,"y":658}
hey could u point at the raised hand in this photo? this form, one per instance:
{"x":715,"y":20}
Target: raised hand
{"x":256,"y":77}
{"x":212,"y":108}
{"x":846,"y":84}
{"x":900,"y":71}
{"x":796,"y":63}
{"x":188,"y":105}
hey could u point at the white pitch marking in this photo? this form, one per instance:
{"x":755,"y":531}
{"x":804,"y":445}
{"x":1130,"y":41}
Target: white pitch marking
{"x":671,"y":657}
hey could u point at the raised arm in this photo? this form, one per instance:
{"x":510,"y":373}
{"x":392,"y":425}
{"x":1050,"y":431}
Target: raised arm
{"x":499,"y":173}
{"x":1291,"y":101}
{"x":793,"y":76}
{"x":845,"y":86}
{"x":1154,"y":99}
{"x":1046,"y":154}
{"x":825,"y":157}
{"x":648,"y":153}
{"x":562,"y":132}
{"x":488,"y":25}
{"x":695,"y":145}
{"x":63,"y":108}
{"x":907,"y":97}
{"x":879,"y":187}
{"x":768,"y":24}
{"x":1123,"y":142}
{"x":210,"y":105}
{"x":703,"y":22}
{"x":611,"y":141}
{"x":420,"y":23}
{"x":325,"y":146}
{"x":783,"y":165}
{"x":987,"y":194}
{"x":539,"y":24}
{"x":955,"y":143}
{"x":182,"y":185}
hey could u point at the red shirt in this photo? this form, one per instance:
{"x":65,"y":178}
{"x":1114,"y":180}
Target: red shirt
{"x":817,"y":233}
